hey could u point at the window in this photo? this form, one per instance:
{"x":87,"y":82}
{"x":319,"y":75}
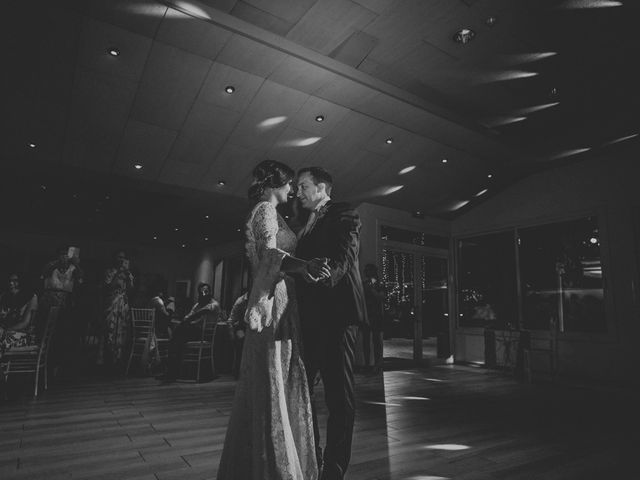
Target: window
{"x":415,"y":238}
{"x":561,"y":276}
{"x":487,"y":293}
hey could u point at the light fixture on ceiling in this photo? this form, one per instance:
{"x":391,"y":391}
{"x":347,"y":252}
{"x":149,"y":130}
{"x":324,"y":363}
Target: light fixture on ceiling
{"x":238,"y":229}
{"x":444,"y":160}
{"x":207,"y":217}
{"x":229,"y":89}
{"x":622,"y":139}
{"x":43,"y":187}
{"x":271,"y":122}
{"x":464,"y":36}
{"x":491,"y":21}
{"x":113,"y":51}
{"x":417,"y":214}
{"x":206,"y":239}
{"x":155,"y":237}
{"x":593,"y":240}
{"x":489,"y":176}
{"x":320,"y":118}
{"x":32,"y":145}
{"x":389,"y":141}
{"x":183,"y":245}
{"x":408,"y":169}
{"x":176,"y":229}
{"x":553,"y":92}
{"x":390,"y":190}
{"x":137,"y":166}
{"x":221,"y":183}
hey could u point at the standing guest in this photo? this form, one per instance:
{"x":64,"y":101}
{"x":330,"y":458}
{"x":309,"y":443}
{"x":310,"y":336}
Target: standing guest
{"x":190,"y":328}
{"x":116,"y":323}
{"x":374,"y":296}
{"x":60,"y":277}
{"x":17,"y":316}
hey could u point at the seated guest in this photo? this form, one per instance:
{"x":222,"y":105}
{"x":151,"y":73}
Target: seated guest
{"x":17,"y":316}
{"x":162,"y":308}
{"x":238,"y":327}
{"x":190,"y":328}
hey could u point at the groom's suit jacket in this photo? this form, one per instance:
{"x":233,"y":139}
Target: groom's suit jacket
{"x":339,"y":300}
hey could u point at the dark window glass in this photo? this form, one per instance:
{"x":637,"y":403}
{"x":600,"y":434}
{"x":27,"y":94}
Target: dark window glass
{"x":414,"y":238}
{"x":487,"y":294}
{"x":561,"y":276}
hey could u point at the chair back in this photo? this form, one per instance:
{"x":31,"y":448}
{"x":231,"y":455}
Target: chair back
{"x":143,"y":320}
{"x":49,"y":330}
{"x":209,"y":324}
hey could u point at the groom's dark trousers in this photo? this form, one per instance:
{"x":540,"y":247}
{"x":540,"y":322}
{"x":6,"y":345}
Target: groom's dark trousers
{"x":330,"y":313}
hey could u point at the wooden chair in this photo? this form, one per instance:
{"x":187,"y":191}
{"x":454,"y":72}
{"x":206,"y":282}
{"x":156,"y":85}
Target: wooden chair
{"x":143,"y":320}
{"x":34,"y":358}
{"x":199,"y":351}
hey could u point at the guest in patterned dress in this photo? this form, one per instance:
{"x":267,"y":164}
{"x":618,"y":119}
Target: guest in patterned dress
{"x":116,"y":324}
{"x":17,"y":316}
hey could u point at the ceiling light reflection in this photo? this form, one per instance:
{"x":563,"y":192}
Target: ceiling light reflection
{"x":458,"y":205}
{"x":576,"y":4}
{"x":190,"y":9}
{"x":537,"y":108}
{"x":386,"y":404}
{"x":271,"y":122}
{"x":622,"y":139}
{"x":390,"y":190}
{"x":414,"y":398}
{"x":432,"y":379}
{"x":300,"y":142}
{"x":407,"y":169}
{"x":448,"y":446}
{"x":568,"y":153}
{"x":481,"y":192}
{"x":426,"y":477}
{"x":503,"y":76}
{"x":497,"y":121}
{"x":519,"y":58}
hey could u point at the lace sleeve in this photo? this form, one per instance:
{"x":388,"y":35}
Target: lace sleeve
{"x":265,"y":258}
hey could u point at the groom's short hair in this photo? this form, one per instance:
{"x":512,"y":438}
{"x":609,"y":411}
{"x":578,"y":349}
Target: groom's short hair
{"x":319,"y":175}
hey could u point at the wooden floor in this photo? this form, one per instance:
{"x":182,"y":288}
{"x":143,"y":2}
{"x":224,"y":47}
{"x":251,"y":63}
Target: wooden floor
{"x":443,"y":422}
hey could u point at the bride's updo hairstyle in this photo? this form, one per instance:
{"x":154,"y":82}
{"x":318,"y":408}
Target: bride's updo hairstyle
{"x":268,"y":174}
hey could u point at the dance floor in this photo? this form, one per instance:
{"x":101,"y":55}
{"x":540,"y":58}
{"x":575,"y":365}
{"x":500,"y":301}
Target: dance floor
{"x":442,"y":422}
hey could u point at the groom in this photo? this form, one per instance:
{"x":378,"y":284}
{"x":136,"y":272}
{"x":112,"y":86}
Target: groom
{"x":330,"y":311}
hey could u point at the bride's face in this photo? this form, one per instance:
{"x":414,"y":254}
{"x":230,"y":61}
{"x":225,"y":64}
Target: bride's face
{"x":282,"y":193}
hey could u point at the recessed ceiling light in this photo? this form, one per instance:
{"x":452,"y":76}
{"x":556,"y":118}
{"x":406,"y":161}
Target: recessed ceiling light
{"x":490,"y":176}
{"x":320,"y":118}
{"x":43,"y":187}
{"x":183,"y":245}
{"x":155,"y":237}
{"x":237,"y":229}
{"x":206,"y":239}
{"x":207,"y":217}
{"x":491,"y":21}
{"x":137,"y":166}
{"x":407,"y":169}
{"x":464,"y":35}
{"x":389,"y":140}
{"x":32,"y":145}
{"x":114,"y":52}
{"x":229,"y":89}
{"x":176,"y":229}
{"x":221,"y":183}
{"x":444,"y":160}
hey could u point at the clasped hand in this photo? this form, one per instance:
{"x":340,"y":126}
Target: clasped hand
{"x":318,"y":269}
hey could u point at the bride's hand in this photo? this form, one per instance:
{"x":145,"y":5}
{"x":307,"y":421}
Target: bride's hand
{"x":318,"y":268}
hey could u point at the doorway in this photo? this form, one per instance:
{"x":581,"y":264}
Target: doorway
{"x":416,"y":304}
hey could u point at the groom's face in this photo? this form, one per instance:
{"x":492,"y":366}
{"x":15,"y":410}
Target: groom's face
{"x":309,"y":193}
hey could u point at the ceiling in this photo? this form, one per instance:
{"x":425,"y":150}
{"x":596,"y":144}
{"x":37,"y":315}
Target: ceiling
{"x":374,"y":69}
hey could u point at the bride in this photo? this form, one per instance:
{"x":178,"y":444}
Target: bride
{"x":270,"y":432}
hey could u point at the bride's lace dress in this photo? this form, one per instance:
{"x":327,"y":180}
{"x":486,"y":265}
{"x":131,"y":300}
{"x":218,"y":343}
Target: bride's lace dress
{"x":270,"y":432}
